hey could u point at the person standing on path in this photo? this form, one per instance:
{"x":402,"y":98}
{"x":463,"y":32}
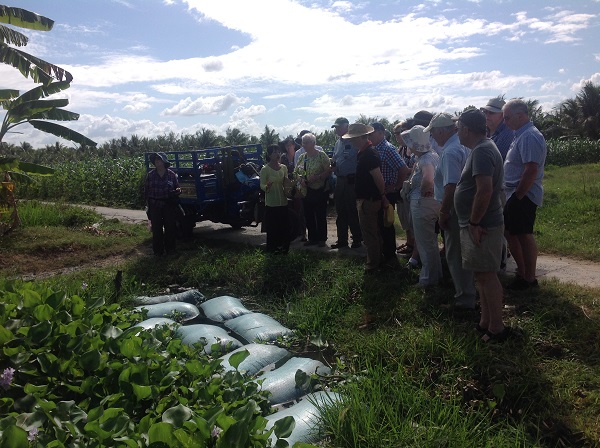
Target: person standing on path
{"x":370,"y":192}
{"x":162,"y":191}
{"x":447,"y":175}
{"x":478,"y":205}
{"x":273,"y":180}
{"x":312,"y":169}
{"x":344,"y":166}
{"x":394,"y":172}
{"x":523,"y":174}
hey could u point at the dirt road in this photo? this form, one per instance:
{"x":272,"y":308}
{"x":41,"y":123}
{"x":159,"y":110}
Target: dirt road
{"x":565,"y":269}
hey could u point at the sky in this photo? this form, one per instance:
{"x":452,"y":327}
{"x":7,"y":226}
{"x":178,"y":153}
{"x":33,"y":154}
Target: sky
{"x":152,"y":67}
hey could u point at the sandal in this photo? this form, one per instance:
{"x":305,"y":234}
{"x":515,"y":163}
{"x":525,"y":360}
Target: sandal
{"x":480,"y":330}
{"x":498,"y":337}
{"x":404,"y":249}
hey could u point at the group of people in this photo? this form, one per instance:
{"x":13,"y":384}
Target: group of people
{"x":476,"y":178}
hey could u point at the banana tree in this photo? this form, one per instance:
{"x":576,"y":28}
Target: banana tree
{"x":30,"y":66}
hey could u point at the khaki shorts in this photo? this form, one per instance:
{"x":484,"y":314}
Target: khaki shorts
{"x":486,"y":257}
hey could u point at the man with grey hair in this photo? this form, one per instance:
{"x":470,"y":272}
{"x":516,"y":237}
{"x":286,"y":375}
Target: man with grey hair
{"x":498,"y":131}
{"x":523,"y":174}
{"x":447,"y":175}
{"x":478,"y":205}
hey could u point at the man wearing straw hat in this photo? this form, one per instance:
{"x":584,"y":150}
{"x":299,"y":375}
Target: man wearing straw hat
{"x":370,"y":192}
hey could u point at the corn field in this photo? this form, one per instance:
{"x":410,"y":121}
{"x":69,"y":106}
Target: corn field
{"x":119,"y":182}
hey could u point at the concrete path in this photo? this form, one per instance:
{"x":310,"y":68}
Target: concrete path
{"x":583,"y":273}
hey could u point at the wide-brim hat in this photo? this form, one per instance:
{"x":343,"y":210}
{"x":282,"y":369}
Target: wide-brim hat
{"x":441,"y":120}
{"x":494,"y":105}
{"x":417,"y":139}
{"x":162,"y":156}
{"x":358,"y":130}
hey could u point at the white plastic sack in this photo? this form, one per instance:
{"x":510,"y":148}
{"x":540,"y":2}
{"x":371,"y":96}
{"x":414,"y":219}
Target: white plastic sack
{"x":307,"y":417}
{"x":261,"y":355}
{"x":209,"y":334}
{"x":258,"y":327}
{"x":187,"y":310}
{"x":223,"y":308}
{"x":192,"y":296}
{"x":281,"y":382}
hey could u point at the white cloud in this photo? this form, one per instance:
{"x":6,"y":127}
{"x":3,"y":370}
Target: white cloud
{"x":204,"y":105}
{"x":246,"y":112}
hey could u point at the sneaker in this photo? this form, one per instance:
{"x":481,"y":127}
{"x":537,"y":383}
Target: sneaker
{"x":310,"y":243}
{"x":413,"y":264}
{"x":322,"y":244}
{"x":356,"y":244}
{"x":339,"y":245}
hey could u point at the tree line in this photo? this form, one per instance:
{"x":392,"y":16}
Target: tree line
{"x":577,"y":117}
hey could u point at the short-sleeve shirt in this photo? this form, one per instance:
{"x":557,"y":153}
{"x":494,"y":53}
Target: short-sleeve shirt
{"x":452,"y":162}
{"x":316,"y":164}
{"x":429,"y":158}
{"x":483,"y":160}
{"x":528,"y":146}
{"x":391,"y":162}
{"x":503,"y":136}
{"x":275,"y":197}
{"x":345,"y":157}
{"x":365,"y":186}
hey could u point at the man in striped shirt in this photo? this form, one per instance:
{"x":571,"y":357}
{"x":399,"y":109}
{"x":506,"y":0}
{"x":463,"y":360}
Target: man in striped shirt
{"x":394,"y":172}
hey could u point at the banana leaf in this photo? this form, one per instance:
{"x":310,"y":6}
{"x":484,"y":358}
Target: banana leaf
{"x":61,"y":131}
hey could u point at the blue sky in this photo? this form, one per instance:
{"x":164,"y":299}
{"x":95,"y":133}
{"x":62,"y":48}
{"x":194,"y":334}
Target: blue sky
{"x":150,"y":67}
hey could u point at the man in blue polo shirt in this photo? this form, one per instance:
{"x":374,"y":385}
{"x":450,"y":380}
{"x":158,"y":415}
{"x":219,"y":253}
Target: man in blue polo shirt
{"x":523,"y":174}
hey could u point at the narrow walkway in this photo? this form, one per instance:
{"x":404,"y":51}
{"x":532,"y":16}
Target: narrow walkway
{"x":583,"y":273}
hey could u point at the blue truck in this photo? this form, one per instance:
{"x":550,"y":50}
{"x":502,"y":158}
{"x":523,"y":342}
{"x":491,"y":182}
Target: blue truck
{"x":218,"y":184}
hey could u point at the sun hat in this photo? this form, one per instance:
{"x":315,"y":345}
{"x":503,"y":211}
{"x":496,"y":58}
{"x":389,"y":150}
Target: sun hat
{"x":162,"y":156}
{"x":495,"y":105}
{"x":440,"y":120}
{"x":358,"y":130}
{"x":340,"y":121}
{"x":474,"y":120}
{"x":417,"y":139}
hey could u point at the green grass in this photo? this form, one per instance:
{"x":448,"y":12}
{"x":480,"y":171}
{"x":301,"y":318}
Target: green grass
{"x":567,"y":223}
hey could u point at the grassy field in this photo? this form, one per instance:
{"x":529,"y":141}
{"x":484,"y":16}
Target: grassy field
{"x":413,"y":372}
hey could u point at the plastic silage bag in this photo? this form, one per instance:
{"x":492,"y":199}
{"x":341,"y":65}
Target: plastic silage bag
{"x":261,"y":355}
{"x":192,"y":296}
{"x":155,"y":322}
{"x":223,"y":308}
{"x":169,"y":309}
{"x":281,"y":382}
{"x":208,"y":334}
{"x":258,"y":327}
{"x":307,"y":416}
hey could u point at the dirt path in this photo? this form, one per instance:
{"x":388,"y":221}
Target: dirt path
{"x":583,"y":273}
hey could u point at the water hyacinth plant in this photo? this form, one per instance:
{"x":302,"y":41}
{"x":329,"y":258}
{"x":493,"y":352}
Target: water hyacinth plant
{"x":80,"y":374}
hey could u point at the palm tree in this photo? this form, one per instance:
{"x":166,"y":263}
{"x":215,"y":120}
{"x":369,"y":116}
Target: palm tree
{"x":269,"y":137}
{"x":235,"y":137}
{"x":589,"y":110}
{"x":206,"y":138}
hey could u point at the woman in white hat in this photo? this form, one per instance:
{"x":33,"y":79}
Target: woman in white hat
{"x":424,"y":208}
